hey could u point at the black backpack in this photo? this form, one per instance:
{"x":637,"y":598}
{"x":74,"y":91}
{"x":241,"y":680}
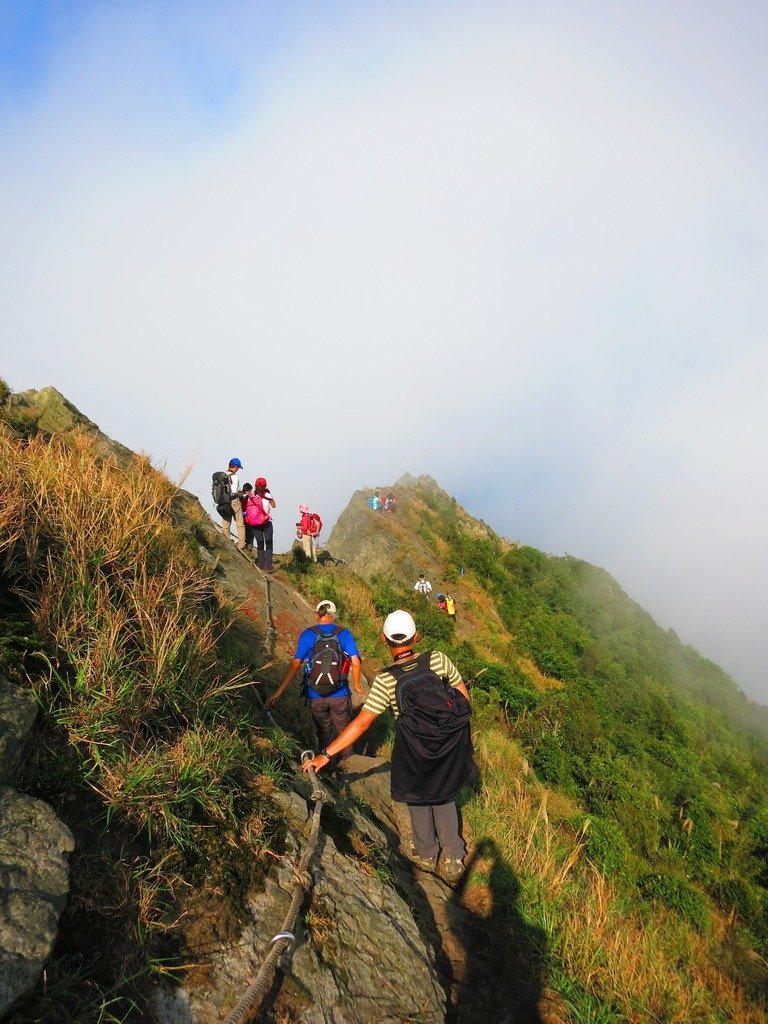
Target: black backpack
{"x":221,"y":493}
{"x":324,"y":667}
{"x":432,"y":758}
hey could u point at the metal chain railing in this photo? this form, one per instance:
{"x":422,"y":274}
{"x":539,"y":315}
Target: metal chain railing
{"x":285,"y":938}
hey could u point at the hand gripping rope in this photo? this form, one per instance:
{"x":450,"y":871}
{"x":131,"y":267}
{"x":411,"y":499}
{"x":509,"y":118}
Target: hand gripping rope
{"x":285,"y":938}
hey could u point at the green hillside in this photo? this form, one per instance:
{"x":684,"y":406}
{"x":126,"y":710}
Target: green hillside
{"x":656,"y":750}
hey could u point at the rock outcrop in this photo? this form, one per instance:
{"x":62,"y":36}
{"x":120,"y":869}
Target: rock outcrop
{"x":376,"y":544}
{"x":49,"y":411}
{"x":34,"y":848}
{"x":400,"y":545}
{"x":359,"y":955}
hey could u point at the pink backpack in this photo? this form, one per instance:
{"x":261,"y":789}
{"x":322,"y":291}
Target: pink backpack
{"x":256,"y":511}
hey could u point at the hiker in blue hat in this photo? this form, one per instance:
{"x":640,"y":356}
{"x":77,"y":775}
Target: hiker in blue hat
{"x":236,"y":505}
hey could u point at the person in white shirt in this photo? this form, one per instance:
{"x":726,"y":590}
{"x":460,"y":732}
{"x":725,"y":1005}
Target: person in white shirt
{"x":423,"y":586}
{"x":237,"y":506}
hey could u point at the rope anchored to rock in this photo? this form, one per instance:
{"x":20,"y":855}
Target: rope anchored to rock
{"x":285,"y":938}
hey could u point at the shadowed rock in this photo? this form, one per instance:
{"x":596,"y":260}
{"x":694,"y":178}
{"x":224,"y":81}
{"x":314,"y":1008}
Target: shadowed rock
{"x":34,"y":848}
{"x":18,"y":712}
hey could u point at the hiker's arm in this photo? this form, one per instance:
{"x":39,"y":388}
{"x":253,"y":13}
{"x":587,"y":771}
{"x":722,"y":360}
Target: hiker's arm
{"x":290,"y":672}
{"x":355,"y":671}
{"x":346,"y":738}
{"x":461,"y":687}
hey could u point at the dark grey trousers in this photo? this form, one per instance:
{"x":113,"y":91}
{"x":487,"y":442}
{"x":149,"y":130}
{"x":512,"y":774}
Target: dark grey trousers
{"x":436,"y":826}
{"x":331,"y":715}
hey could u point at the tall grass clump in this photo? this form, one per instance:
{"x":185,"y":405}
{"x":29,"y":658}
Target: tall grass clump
{"x":131,"y":624}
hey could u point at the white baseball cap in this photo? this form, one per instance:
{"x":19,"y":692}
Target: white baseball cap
{"x":399,"y":626}
{"x":329,"y":608}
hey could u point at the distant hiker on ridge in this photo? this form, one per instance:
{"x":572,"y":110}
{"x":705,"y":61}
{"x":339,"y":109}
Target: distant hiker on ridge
{"x":374,"y":502}
{"x":423,"y":586}
{"x":330,"y":655}
{"x":432,"y":758}
{"x":308,"y":531}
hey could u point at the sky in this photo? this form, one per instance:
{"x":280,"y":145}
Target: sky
{"x":522,"y":248}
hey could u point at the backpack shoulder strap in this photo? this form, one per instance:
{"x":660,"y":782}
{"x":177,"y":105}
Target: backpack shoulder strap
{"x":398,"y":669}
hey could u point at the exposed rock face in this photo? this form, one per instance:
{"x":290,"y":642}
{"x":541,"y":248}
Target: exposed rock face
{"x":411,"y":540}
{"x":359,"y":957}
{"x":48,"y":410}
{"x":18,"y":712}
{"x":374,"y":543}
{"x":34,"y":846}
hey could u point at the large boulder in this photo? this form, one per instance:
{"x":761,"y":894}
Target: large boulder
{"x":34,"y":849}
{"x":359,"y":958}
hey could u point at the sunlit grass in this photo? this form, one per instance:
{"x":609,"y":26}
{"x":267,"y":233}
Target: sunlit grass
{"x":605,"y":957}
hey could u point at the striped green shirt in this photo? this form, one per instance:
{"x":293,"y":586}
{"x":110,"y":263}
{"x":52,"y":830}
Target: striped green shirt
{"x":382,"y":694}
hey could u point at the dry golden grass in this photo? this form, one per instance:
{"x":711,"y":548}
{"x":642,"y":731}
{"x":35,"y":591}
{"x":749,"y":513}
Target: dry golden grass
{"x":112,"y":589}
{"x":657,"y":970}
{"x":320,"y":923}
{"x":539,"y":679}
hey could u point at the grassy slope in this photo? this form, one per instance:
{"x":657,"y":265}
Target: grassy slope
{"x":149,"y":748}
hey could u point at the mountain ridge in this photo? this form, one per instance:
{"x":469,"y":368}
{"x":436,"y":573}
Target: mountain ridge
{"x":610,"y":779}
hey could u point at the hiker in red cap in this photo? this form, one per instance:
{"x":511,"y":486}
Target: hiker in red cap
{"x":258,"y":521}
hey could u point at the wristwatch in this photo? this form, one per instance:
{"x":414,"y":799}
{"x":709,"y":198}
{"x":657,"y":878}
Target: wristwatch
{"x":324,"y":753}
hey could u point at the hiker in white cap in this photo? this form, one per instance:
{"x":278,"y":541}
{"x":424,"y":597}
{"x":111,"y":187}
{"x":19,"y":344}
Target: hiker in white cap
{"x":432,"y":756}
{"x":330,"y":657}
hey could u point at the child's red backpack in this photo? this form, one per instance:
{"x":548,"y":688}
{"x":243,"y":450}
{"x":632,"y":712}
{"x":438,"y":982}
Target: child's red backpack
{"x":315,"y":525}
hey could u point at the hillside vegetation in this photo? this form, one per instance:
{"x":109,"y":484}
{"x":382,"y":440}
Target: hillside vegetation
{"x":656,"y":763}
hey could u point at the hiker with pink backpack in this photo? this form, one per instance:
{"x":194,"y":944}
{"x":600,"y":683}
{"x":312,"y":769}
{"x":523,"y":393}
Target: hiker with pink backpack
{"x":258,"y":522}
{"x":308,"y":531}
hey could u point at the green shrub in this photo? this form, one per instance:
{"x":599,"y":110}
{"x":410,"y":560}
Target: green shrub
{"x":736,"y":894}
{"x":679,"y":895}
{"x":552,"y":764}
{"x":606,"y":846}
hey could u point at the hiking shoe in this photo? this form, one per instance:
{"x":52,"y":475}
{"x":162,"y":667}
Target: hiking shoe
{"x":451,"y":870}
{"x":425,"y":863}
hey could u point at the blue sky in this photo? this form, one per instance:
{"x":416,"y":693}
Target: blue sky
{"x":522,"y":248}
